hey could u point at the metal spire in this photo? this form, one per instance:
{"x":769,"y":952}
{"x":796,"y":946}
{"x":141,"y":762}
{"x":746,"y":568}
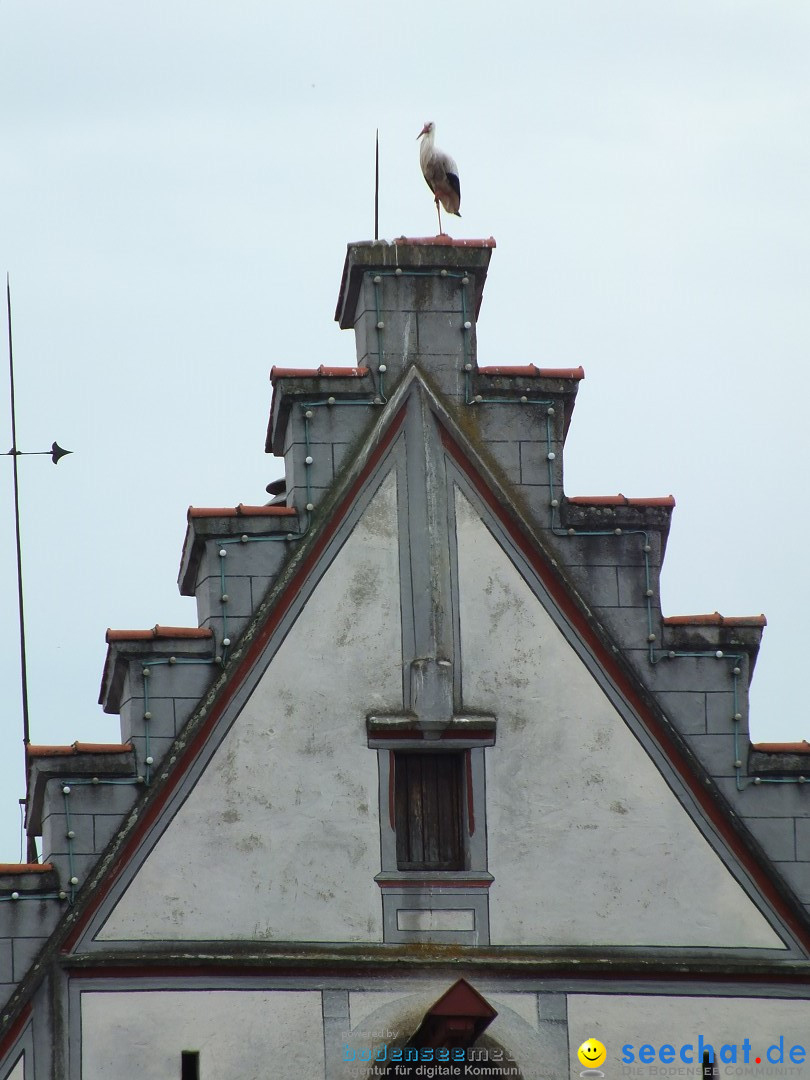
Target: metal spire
{"x":56,"y":453}
{"x":377,"y":185}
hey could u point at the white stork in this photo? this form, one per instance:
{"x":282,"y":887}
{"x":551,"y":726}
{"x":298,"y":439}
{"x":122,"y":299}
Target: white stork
{"x":441,"y":173}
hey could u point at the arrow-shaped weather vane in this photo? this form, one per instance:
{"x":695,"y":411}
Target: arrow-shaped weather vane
{"x":56,"y":452}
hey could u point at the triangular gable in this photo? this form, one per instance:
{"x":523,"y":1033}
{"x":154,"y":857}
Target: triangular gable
{"x":589,"y":843}
{"x":663,"y":745}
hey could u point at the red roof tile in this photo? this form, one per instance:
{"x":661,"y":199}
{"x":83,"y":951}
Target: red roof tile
{"x":25,"y":868}
{"x":715,"y":619}
{"x":314,"y":373}
{"x":159,"y":632}
{"x":240,"y":511}
{"x":802,"y":747}
{"x":531,"y":371}
{"x":442,"y":241}
{"x":620,"y":500}
{"x":78,"y":748}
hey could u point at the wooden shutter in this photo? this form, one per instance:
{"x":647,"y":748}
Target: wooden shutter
{"x":428,"y":802}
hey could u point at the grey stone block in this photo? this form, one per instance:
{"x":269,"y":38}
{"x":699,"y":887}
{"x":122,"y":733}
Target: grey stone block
{"x":6,"y":972}
{"x":400,"y":328}
{"x":24,"y":951}
{"x":340,"y":454}
{"x":633,"y":585}
{"x":797,"y":876}
{"x":405,"y":292}
{"x":443,"y":333}
{"x":336,"y":1004}
{"x":803,"y":836}
{"x":55,"y":838}
{"x":598,"y":584}
{"x":507,"y":459}
{"x":161,"y":710}
{"x":552,"y":1007}
{"x":767,"y":800}
{"x":258,"y":555}
{"x":237,"y":589}
{"x":534,"y":464}
{"x":686,"y":710}
{"x":515,"y":421}
{"x":716,"y":752}
{"x":697,"y":673}
{"x":105,"y":826}
{"x":259,"y":587}
{"x":156,"y":748}
{"x":629,"y":625}
{"x":183,"y":708}
{"x":625,"y":550}
{"x":720,"y":711}
{"x":111,"y":798}
{"x":777,"y":836}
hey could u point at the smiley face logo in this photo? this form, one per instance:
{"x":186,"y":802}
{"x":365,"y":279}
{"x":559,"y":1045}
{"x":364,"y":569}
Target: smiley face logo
{"x":592,"y":1054}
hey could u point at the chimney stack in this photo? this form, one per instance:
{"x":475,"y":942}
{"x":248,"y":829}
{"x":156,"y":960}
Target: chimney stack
{"x":408,"y":302}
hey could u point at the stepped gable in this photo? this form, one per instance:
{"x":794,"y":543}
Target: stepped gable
{"x":202,"y":727}
{"x":441,"y":483}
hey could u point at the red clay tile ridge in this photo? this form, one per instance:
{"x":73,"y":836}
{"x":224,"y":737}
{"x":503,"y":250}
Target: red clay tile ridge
{"x":442,"y":241}
{"x":158,"y":632}
{"x":530,"y":371}
{"x":620,"y":500}
{"x":78,"y":748}
{"x":715,"y":619}
{"x":25,"y":867}
{"x":802,"y":747}
{"x":240,"y":511}
{"x":314,"y":373}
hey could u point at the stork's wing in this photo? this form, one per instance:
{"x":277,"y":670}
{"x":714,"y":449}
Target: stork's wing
{"x":453,"y":182}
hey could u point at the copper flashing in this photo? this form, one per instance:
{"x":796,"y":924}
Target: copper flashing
{"x":78,"y":748}
{"x":442,"y":241}
{"x":25,"y":868}
{"x":715,"y":619}
{"x":531,"y":371}
{"x":158,"y":632}
{"x":802,"y":747}
{"x":240,"y":511}
{"x":620,"y":500}
{"x":319,"y":372}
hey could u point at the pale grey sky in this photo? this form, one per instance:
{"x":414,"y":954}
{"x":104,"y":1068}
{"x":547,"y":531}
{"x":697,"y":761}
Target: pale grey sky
{"x":178,"y":182}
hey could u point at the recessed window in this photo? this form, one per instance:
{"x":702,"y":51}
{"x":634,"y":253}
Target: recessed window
{"x":190,"y":1065}
{"x":710,"y":1067}
{"x":428,"y":809}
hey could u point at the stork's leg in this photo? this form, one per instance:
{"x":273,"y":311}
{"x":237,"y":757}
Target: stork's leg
{"x":439,"y":212}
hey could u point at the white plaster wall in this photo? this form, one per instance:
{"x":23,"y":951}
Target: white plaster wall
{"x":280,"y":838}
{"x":587,"y":843}
{"x":240,"y":1034}
{"x":677,"y":1021}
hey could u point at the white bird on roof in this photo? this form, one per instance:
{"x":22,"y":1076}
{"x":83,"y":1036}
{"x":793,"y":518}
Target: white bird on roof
{"x":441,"y":173}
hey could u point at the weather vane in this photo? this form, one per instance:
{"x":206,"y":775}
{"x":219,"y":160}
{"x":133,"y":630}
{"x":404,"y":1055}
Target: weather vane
{"x":56,"y":452}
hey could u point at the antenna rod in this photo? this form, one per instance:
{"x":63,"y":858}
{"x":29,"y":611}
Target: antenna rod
{"x":23,"y":667}
{"x":377,"y":186}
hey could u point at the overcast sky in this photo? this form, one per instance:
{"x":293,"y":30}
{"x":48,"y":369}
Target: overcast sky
{"x":178,"y":182}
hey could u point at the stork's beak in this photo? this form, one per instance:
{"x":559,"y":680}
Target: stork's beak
{"x":422,"y":132}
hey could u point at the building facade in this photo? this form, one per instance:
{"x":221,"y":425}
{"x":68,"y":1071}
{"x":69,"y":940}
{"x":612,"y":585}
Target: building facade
{"x":433,"y":784}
